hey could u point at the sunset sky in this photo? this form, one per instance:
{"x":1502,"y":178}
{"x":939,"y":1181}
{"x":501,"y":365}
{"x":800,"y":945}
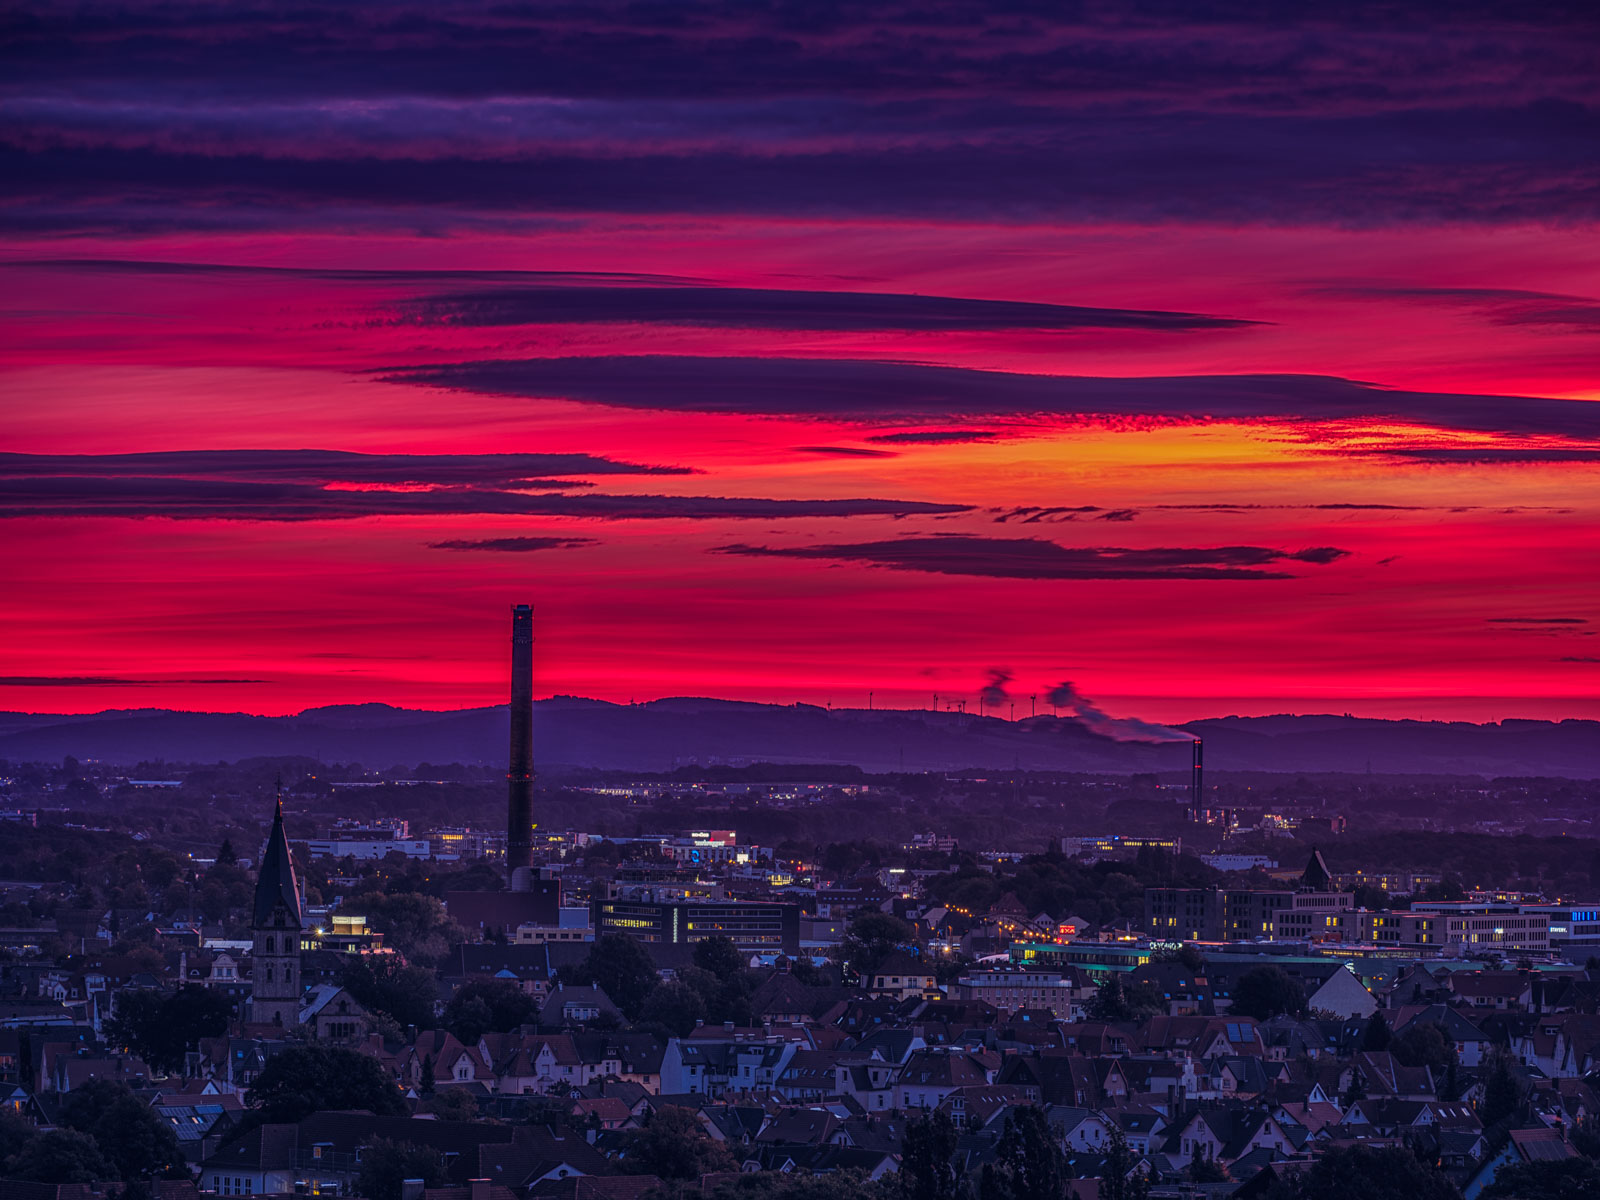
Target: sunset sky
{"x":1216,"y":363}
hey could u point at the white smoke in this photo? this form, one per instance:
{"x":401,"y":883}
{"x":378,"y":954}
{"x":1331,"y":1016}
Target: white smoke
{"x":1122,"y":729}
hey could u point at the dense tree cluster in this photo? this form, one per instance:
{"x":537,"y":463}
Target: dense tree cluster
{"x":715,"y":987}
{"x":1267,"y":992}
{"x":386,"y":1165}
{"x":105,"y":1132}
{"x":1364,"y":1173}
{"x":1102,"y":891}
{"x":301,"y":1080}
{"x":163,"y":1029}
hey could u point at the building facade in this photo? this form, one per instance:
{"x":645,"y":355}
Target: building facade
{"x":751,"y":925}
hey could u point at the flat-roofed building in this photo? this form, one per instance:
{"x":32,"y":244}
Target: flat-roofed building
{"x":1491,"y":926}
{"x":1572,"y":926}
{"x":756,"y":926}
{"x":1012,"y":988}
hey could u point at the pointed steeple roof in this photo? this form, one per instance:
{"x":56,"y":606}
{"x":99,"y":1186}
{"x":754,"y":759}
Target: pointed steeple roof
{"x":1316,"y":876}
{"x":276,"y":883}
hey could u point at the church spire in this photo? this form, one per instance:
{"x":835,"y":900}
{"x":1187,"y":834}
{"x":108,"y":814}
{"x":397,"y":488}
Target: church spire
{"x":276,"y":885}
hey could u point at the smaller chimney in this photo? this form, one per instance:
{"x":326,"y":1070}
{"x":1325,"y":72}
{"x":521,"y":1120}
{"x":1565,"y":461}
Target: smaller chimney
{"x":480,"y":1188}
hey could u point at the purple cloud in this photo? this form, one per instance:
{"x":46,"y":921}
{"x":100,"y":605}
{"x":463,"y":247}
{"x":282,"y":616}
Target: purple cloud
{"x":890,"y":391}
{"x":1035,"y":558}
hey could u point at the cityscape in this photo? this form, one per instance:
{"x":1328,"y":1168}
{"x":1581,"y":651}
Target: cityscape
{"x":790,"y":601}
{"x":376,"y":981}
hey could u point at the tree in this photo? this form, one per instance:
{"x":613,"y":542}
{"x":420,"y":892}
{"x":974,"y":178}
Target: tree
{"x":1265,"y":992}
{"x":414,"y":924}
{"x":226,"y":855}
{"x":386,"y":1165}
{"x":780,"y":1185}
{"x":61,"y":1156}
{"x":872,"y":938}
{"x":719,"y":956}
{"x":1360,"y":1171}
{"x":161,"y":1030}
{"x":675,"y":1006}
{"x":425,"y":1080}
{"x":385,"y":983}
{"x":482,"y":1006}
{"x":622,"y":968}
{"x":1375,"y":898}
{"x":468,"y":1018}
{"x":927,"y":1166}
{"x":723,"y":999}
{"x":1566,"y":1179}
{"x":673,"y":1146}
{"x":1423,"y":1044}
{"x":15,"y":1133}
{"x":1376,"y":1036}
{"x":1028,"y":1162}
{"x":1121,"y":1181}
{"x":454,"y":1104}
{"x":306,"y":1079}
{"x":1502,"y":1091}
{"x":1117,"y":1002}
{"x":1355,"y":1092}
{"x":128,"y":1132}
{"x":1450,"y":1089}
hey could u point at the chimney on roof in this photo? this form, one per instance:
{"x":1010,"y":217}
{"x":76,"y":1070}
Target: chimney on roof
{"x":411,"y":1189}
{"x":480,"y":1188}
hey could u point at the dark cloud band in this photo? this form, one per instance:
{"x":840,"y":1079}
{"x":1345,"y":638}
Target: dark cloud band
{"x":330,"y":466}
{"x":245,"y":500}
{"x":1034,"y":558}
{"x":885,"y":391}
{"x":514,"y":545}
{"x":775,"y":309}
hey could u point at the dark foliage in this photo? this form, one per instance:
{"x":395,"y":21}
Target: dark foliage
{"x":673,"y":1146}
{"x":161,"y":1029}
{"x":385,"y":1165}
{"x":384,"y":983}
{"x":1362,"y":1173}
{"x":482,"y":1006}
{"x":927,"y":1169}
{"x":622,"y":968}
{"x":130,"y":1134}
{"x":1266,"y":992}
{"x":306,"y":1079}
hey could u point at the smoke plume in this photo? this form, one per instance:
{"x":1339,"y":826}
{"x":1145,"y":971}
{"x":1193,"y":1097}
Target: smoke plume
{"x":1122,"y":729}
{"x":993,"y":694}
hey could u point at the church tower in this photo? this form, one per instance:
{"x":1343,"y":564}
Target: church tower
{"x":275,"y":925}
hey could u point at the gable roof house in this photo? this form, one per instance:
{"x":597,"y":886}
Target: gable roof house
{"x":931,"y":1075}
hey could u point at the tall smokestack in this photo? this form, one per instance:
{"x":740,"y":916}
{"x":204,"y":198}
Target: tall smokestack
{"x":519,"y":774}
{"x":1197,"y":779}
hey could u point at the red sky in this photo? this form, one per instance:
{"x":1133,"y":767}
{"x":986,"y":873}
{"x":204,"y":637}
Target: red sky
{"x":1296,"y":443}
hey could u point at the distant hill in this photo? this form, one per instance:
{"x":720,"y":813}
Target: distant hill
{"x":663,"y":734}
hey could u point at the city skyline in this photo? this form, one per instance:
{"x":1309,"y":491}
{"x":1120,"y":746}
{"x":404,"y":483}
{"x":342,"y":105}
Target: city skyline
{"x":1215,"y":365}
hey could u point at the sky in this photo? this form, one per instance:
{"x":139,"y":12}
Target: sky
{"x":1213,"y":359}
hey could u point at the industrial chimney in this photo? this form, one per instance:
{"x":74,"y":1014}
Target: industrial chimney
{"x":1197,"y":781}
{"x":519,"y":774}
